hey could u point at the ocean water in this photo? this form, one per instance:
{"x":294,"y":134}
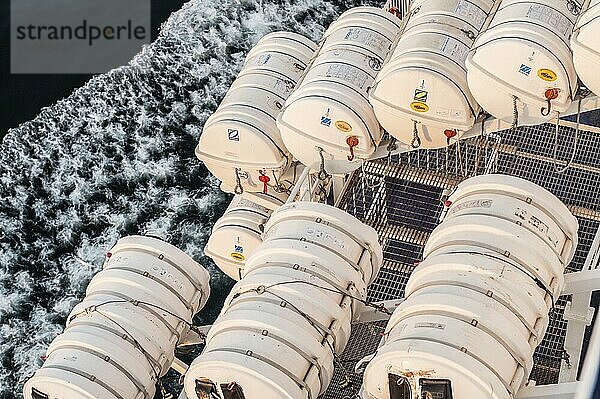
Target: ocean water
{"x":115,"y":158}
{"x":23,"y":96}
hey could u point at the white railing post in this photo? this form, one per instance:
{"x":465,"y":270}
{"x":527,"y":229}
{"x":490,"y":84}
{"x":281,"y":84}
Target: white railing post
{"x":578,"y":312}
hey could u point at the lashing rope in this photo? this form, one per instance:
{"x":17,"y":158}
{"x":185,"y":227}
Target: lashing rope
{"x":469,"y":34}
{"x":137,"y":344}
{"x":323,"y":175}
{"x":575,"y":142}
{"x":392,"y":146}
{"x":94,"y":308}
{"x":324,"y":332}
{"x":238,"y":183}
{"x":279,"y":186}
{"x":262,"y":289}
{"x":347,"y":382}
{"x":515,"y":121}
{"x":416,"y":142}
{"x":365,"y":179}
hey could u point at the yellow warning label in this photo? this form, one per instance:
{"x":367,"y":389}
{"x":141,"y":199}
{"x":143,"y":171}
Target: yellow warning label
{"x":343,"y":126}
{"x":238,"y":256}
{"x":547,"y":75}
{"x":419,"y":106}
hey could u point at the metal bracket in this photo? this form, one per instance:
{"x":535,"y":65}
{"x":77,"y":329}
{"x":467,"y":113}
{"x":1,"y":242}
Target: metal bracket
{"x":579,"y":315}
{"x":179,"y":366}
{"x":370,"y":314}
{"x":574,"y":315}
{"x":194,"y":337}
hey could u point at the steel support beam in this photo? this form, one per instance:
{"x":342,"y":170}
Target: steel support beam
{"x":578,"y":315}
{"x":589,"y":375}
{"x":555,"y":391}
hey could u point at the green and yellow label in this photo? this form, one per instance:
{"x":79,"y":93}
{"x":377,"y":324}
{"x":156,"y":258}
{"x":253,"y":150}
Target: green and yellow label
{"x":419,"y":106}
{"x":547,"y":74}
{"x":343,"y":126}
{"x":421,"y":95}
{"x":238,"y":256}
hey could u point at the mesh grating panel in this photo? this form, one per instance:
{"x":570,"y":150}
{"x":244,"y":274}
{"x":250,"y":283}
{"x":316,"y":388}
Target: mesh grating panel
{"x":400,"y":198}
{"x":402,"y":6}
{"x":550,"y":353}
{"x":364,"y":340}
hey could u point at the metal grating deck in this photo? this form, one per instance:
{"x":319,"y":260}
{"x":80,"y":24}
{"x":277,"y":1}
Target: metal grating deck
{"x":364,"y":340}
{"x":400,"y":198}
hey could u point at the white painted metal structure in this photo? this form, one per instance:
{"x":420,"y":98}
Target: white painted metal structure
{"x":240,"y":143}
{"x":278,"y":191}
{"x":476,"y":308}
{"x":271,"y":200}
{"x":590,"y":376}
{"x":523,"y":60}
{"x":329,"y":115}
{"x":235,"y":235}
{"x":585,"y":44}
{"x":291,"y":312}
{"x":121,"y":339}
{"x":421,"y":96}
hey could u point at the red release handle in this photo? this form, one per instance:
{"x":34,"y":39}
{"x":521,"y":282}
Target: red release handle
{"x":352,"y":142}
{"x":264,"y":180}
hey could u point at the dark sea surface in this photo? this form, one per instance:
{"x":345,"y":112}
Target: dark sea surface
{"x":23,"y":96}
{"x":116,"y":157}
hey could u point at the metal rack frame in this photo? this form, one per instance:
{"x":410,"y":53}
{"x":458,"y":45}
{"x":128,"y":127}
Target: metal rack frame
{"x":400,"y":196}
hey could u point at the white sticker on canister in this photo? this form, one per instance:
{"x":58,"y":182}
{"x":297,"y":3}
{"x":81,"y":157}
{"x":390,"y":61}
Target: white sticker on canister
{"x":553,"y":19}
{"x":437,"y":326}
{"x":456,"y":114}
{"x":348,"y":73}
{"x":285,"y":87}
{"x":442,"y":112}
{"x":471,"y":13}
{"x":370,"y":39}
{"x":455,"y":50}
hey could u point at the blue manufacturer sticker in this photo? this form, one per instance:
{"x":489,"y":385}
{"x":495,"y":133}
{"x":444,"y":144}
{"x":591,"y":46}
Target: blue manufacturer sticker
{"x":353,"y":34}
{"x":525,"y":69}
{"x":233,"y":135}
{"x":264,"y":59}
{"x":239,"y":248}
{"x":326,"y":121}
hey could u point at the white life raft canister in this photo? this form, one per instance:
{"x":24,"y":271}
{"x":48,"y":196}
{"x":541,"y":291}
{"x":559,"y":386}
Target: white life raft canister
{"x":585,"y":44}
{"x":290,"y":314}
{"x":235,"y":235}
{"x":241,"y":144}
{"x":421,"y":96}
{"x":122,"y":337}
{"x":478,"y":305}
{"x":521,"y":68}
{"x":328,"y":120}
